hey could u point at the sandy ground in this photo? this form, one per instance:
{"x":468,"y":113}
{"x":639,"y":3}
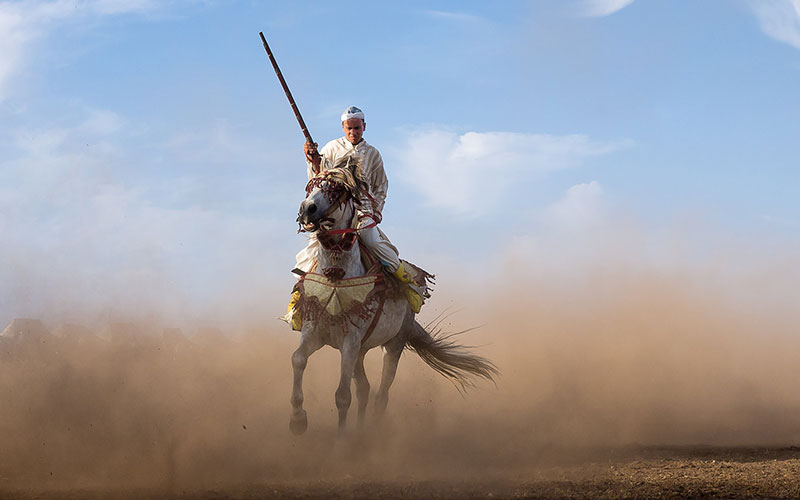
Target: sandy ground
{"x":602,"y":394}
{"x":632,"y":472}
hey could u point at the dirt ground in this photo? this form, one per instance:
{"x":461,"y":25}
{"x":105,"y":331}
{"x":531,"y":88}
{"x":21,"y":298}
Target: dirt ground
{"x":602,"y":396}
{"x":631,"y":472}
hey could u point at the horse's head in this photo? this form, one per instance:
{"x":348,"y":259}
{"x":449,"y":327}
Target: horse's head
{"x":328,"y":195}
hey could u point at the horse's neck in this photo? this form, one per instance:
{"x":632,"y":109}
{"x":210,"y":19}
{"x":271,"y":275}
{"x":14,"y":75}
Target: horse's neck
{"x":349,"y":261}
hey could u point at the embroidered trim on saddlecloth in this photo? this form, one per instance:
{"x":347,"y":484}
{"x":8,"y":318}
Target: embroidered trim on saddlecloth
{"x":422,"y":278}
{"x":326,"y":301}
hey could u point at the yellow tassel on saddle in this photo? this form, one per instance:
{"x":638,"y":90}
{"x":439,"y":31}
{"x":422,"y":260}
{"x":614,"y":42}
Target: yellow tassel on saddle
{"x":294,"y":313}
{"x":414,"y":298}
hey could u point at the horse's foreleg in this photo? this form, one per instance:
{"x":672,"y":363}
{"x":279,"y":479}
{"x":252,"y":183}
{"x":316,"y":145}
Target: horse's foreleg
{"x":349,"y":349}
{"x":362,"y":387}
{"x":394,"y":348}
{"x":308,"y":345}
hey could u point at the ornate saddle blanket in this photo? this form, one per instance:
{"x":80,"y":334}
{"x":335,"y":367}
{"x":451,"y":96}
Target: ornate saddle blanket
{"x":345,"y":296}
{"x":332,"y":301}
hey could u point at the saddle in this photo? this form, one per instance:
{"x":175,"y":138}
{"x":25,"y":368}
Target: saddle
{"x":423,"y":280}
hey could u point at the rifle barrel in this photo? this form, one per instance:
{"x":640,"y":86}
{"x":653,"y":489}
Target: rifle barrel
{"x":286,"y":90}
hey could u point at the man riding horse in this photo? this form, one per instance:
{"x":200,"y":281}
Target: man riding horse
{"x":353,"y":146}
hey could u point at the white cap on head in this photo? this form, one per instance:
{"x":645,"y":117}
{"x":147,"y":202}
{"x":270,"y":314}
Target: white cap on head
{"x":352,"y":112}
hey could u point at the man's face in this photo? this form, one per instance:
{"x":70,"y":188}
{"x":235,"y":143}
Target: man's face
{"x":354,"y":129}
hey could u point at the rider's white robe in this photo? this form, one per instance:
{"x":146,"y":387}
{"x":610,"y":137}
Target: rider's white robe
{"x":371,"y":166}
{"x":375,"y":176}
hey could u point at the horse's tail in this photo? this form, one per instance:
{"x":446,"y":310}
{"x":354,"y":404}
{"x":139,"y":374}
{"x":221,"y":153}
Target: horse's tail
{"x":454,"y":361}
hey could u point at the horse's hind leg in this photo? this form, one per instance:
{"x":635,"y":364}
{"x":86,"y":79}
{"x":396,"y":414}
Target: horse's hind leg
{"x":308,"y":345}
{"x":394,"y":348}
{"x":362,"y":387}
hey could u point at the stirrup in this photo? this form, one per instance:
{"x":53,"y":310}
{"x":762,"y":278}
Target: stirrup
{"x":414,"y":298}
{"x":293,"y":316}
{"x":413,"y":292}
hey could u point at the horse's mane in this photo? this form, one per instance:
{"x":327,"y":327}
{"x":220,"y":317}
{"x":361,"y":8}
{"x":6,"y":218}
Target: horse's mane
{"x":346,"y":174}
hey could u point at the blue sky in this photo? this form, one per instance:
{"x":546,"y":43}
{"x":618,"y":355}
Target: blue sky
{"x":149,"y":161}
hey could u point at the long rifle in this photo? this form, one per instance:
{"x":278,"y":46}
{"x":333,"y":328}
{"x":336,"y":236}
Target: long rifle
{"x":288,"y":93}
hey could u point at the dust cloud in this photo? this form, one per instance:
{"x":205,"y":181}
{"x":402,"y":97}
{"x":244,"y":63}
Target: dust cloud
{"x":618,"y":358}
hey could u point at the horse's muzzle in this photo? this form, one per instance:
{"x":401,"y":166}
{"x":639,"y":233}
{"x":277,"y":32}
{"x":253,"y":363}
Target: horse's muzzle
{"x":308,"y":217}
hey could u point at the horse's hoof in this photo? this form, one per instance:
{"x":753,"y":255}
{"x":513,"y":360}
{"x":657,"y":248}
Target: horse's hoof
{"x":298,"y":425}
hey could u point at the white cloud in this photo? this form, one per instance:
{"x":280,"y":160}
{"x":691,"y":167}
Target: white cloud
{"x":454,"y":16}
{"x":581,"y":206}
{"x":600,"y":8}
{"x":24,"y":22}
{"x":583,"y":238}
{"x":571,"y":236}
{"x":13,"y":38}
{"x":102,"y":123}
{"x":107,"y":7}
{"x":217,"y":143}
{"x":585,"y":235}
{"x":85,"y":233}
{"x":779,"y":19}
{"x":453,"y":171}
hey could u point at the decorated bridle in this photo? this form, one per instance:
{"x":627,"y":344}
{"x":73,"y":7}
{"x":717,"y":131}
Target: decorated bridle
{"x":336,"y":192}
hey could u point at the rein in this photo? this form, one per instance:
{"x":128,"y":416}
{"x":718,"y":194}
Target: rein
{"x":344,"y":243}
{"x":348,"y":234}
{"x":337,"y":241}
{"x":341,"y":240}
{"x":375,"y":318}
{"x":350,"y":229}
{"x":346,"y":237}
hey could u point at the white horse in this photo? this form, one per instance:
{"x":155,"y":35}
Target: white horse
{"x":380,"y":316}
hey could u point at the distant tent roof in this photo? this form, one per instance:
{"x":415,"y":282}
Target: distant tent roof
{"x":71,"y":332}
{"x":209,"y":335}
{"x":173,"y":336}
{"x":121,"y":333}
{"x":25,"y":329}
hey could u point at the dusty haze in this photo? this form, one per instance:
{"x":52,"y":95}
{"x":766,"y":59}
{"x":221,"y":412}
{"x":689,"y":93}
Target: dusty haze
{"x":618,"y":357}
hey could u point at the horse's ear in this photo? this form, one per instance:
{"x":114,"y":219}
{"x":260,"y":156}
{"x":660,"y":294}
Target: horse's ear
{"x":352,"y":165}
{"x":358,"y":172}
{"x":358,"y":176}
